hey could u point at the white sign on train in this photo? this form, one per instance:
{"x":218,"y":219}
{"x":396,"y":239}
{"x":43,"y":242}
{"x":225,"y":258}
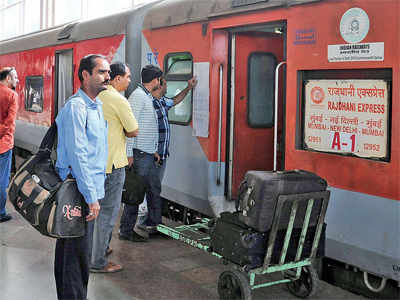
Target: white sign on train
{"x":356,"y":52}
{"x":347,"y":116}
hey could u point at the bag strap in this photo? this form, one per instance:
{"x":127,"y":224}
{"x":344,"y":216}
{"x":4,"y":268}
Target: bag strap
{"x":244,"y":201}
{"x":49,"y":139}
{"x":242,"y":189}
{"x":31,"y":198}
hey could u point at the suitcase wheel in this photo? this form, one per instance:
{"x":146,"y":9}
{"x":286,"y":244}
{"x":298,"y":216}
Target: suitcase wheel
{"x":306,"y":285}
{"x":233,"y":285}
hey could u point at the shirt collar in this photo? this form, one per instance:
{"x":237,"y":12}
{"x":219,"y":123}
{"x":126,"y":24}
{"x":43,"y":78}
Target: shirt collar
{"x":111,"y":88}
{"x":145,"y":90}
{"x":89,"y":101}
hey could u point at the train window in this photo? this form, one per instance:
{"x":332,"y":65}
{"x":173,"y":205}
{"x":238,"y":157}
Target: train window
{"x":34,"y":93}
{"x":180,"y":67}
{"x":178,"y":70}
{"x":261,"y":83}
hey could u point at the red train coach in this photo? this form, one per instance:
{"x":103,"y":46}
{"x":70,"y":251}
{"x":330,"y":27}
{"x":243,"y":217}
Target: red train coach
{"x":332,"y":67}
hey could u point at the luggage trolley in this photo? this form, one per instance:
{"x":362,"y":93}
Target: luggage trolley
{"x":299,"y":275}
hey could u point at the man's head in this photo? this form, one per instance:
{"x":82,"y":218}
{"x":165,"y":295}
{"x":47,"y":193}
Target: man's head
{"x":151,"y":77}
{"x":94,"y":74}
{"x":9,"y":77}
{"x":120,"y":76}
{"x":162,"y":90}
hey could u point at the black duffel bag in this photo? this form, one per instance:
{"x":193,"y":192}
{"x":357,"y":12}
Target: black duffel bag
{"x":54,"y":207}
{"x":135,"y":187}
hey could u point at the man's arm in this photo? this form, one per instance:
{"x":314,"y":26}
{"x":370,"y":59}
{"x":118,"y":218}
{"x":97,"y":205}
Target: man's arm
{"x":7,"y":129}
{"x":77,"y":154}
{"x":136,"y":105}
{"x":127,"y":119}
{"x":191,"y":84}
{"x":131,"y":134}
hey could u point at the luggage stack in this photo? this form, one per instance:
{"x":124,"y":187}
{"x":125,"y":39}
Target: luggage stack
{"x":241,"y":237}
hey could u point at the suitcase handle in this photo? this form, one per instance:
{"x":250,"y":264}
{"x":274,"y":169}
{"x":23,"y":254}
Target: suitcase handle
{"x":248,"y":201}
{"x":242,"y":187}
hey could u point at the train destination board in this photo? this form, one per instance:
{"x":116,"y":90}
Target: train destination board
{"x":347,"y":116}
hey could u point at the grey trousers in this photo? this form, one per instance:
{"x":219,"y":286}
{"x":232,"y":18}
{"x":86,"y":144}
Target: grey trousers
{"x":104,"y":223}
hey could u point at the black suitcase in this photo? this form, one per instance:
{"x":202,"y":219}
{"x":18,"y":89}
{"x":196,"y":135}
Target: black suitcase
{"x":259,"y":192}
{"x":244,"y":246}
{"x":236,"y":242}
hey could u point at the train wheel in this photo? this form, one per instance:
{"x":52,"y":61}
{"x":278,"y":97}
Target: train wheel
{"x":233,"y":285}
{"x":306,"y":285}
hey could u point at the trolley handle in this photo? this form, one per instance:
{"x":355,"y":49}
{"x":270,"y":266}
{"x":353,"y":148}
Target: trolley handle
{"x":295,"y":199}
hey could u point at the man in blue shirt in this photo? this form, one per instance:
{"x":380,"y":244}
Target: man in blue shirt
{"x":82,"y":153}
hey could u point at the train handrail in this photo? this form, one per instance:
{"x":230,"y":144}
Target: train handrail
{"x":221,"y":74}
{"x":370,"y":287}
{"x":276,"y":112}
{"x":232,"y":115}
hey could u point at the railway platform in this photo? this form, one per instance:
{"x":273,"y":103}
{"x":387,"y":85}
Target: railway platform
{"x":162,"y":268}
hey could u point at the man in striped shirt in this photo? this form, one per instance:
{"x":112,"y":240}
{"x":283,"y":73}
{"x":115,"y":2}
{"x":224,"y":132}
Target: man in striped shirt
{"x":162,"y":104}
{"x":141,"y":150}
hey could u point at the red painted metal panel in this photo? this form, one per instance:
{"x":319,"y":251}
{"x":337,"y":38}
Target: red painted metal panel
{"x":350,"y":173}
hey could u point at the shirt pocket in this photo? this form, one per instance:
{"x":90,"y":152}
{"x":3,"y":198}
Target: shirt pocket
{"x":93,"y":125}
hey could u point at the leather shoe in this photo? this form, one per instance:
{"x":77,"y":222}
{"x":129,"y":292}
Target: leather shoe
{"x":152,"y":229}
{"x":109,"y":268}
{"x":142,"y":227}
{"x":134,"y":237}
{"x":5,"y":218}
{"x":147,"y":228}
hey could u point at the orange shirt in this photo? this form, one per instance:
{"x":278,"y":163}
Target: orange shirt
{"x":8,"y":114}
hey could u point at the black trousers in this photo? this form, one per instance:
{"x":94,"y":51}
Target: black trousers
{"x":71,"y":266}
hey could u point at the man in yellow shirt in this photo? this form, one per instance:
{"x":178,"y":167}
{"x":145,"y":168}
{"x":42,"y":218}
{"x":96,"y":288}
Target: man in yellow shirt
{"x":121,"y":124}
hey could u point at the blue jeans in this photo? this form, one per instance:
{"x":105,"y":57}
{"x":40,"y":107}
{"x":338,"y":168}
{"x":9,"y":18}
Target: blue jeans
{"x":104,"y":223}
{"x":5,"y":168}
{"x":161,"y":171}
{"x":145,"y":166}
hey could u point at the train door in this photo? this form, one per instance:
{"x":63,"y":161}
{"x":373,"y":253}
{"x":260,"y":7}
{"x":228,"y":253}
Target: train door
{"x":254,"y":57}
{"x":64,"y":87}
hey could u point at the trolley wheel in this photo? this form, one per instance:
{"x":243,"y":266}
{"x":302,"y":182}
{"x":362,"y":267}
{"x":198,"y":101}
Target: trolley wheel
{"x":306,"y":285}
{"x":233,"y":285}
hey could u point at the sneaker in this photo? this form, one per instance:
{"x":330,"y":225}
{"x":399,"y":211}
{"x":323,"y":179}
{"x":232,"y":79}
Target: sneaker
{"x":5,"y":218}
{"x":134,"y":237}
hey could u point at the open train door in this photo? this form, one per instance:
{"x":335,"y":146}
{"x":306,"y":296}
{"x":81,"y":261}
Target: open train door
{"x":255,"y":54}
{"x":64,"y":87}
